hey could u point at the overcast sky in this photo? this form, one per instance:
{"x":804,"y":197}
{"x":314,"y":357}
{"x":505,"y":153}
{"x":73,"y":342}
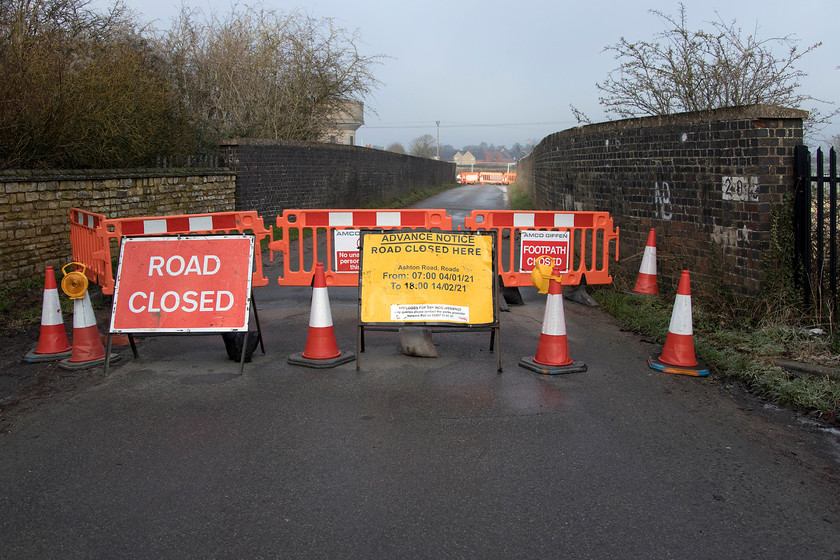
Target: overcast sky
{"x":503,"y":72}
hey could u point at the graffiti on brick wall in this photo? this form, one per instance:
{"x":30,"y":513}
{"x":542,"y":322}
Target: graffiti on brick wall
{"x":662,"y":201}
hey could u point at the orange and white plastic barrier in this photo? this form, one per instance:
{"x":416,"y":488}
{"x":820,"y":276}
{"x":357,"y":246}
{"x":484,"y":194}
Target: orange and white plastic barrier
{"x":321,"y":350}
{"x":581,"y":240}
{"x":303,"y":231}
{"x":678,"y":354}
{"x":53,"y":344}
{"x":90,"y":247}
{"x":646,"y":281}
{"x":469,"y":177}
{"x":92,"y":234}
{"x":552,"y":355}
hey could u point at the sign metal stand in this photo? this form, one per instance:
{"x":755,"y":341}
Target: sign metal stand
{"x":184,"y":285}
{"x":441,"y":279}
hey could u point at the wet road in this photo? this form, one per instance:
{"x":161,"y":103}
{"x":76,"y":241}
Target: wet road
{"x":176,"y":456}
{"x":460,"y":202}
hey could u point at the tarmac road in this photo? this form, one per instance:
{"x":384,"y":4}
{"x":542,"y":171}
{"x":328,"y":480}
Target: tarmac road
{"x":174,"y":455}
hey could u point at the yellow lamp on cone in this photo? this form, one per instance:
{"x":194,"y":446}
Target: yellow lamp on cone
{"x":74,"y":283}
{"x":541,"y":274}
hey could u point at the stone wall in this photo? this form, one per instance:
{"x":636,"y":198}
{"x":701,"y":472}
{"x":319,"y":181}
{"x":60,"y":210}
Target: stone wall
{"x":274,"y":176}
{"x":34,"y":209}
{"x":707,"y":182}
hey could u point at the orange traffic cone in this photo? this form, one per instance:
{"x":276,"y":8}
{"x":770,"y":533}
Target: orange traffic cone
{"x":52,"y":342}
{"x":321,"y":349}
{"x":552,"y":355}
{"x":646,"y":282}
{"x":88,"y":350}
{"x":678,"y":354}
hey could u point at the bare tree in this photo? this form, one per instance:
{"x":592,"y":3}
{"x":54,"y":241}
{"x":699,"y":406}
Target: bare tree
{"x":395,"y":147}
{"x":263,"y":74}
{"x":423,"y":146}
{"x":683,"y":70}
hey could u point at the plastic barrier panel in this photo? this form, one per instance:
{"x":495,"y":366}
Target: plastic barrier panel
{"x":304,"y":234}
{"x":107,"y":230}
{"x":88,"y":247}
{"x":579,"y":240}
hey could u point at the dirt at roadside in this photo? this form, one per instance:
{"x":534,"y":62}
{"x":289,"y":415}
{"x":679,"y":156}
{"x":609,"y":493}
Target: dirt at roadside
{"x":24,"y":385}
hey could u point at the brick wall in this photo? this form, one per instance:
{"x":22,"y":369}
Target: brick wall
{"x":678,"y":174}
{"x":34,"y":209}
{"x":274,"y":176}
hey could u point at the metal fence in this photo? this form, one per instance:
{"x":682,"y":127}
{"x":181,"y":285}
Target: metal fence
{"x":815,"y":222}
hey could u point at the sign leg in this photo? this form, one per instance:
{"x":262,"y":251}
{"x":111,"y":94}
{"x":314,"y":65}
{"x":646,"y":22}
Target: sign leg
{"x":257,"y":321}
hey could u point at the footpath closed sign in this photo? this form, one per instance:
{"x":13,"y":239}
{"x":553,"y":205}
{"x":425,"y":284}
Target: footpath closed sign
{"x":183,"y":284}
{"x":427,"y":277}
{"x":537,"y":244}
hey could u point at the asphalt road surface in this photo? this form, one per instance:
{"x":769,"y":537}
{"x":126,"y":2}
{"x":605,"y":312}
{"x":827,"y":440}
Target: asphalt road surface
{"x":175,"y":455}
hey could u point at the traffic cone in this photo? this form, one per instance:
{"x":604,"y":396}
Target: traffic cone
{"x":88,"y":350}
{"x":552,"y":355}
{"x":646,"y":282}
{"x":678,"y":354}
{"x":321,"y":349}
{"x":52,"y":342}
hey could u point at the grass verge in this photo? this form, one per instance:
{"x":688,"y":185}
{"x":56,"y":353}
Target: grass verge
{"x":736,"y":350}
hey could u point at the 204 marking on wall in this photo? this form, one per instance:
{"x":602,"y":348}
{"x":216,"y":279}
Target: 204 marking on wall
{"x":743,"y":189}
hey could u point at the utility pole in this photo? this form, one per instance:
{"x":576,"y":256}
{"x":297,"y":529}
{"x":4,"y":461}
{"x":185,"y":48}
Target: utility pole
{"x":438,"y":139}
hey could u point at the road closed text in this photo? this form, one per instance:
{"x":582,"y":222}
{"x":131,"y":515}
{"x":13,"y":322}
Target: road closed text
{"x":188,"y":301}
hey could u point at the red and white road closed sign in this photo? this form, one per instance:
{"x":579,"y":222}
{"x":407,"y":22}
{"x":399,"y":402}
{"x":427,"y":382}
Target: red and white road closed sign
{"x":536,"y":244}
{"x":183,"y":284}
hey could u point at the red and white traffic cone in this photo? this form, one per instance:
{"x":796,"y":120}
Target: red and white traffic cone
{"x":52,"y":342}
{"x":646,"y":282}
{"x":552,"y":355}
{"x":321,"y":349}
{"x":678,"y":354}
{"x":88,"y":350}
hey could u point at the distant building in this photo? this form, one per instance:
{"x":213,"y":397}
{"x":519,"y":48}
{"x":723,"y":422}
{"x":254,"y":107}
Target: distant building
{"x":464,"y":159}
{"x":347,"y":121}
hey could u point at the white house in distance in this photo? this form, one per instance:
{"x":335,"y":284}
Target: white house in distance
{"x":347,"y":121}
{"x":466,"y":159}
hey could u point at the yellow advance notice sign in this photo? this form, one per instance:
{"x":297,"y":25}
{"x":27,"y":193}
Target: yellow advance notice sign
{"x":427,"y":277}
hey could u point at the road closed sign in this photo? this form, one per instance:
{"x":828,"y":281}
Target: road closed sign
{"x":183,"y":284}
{"x":536,"y":245}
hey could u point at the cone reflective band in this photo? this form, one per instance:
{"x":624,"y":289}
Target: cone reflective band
{"x":678,"y":354}
{"x":646,"y":282}
{"x":52,"y":341}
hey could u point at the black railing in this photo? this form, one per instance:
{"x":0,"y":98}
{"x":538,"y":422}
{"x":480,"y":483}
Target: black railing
{"x":815,"y":215}
{"x":204,"y":161}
